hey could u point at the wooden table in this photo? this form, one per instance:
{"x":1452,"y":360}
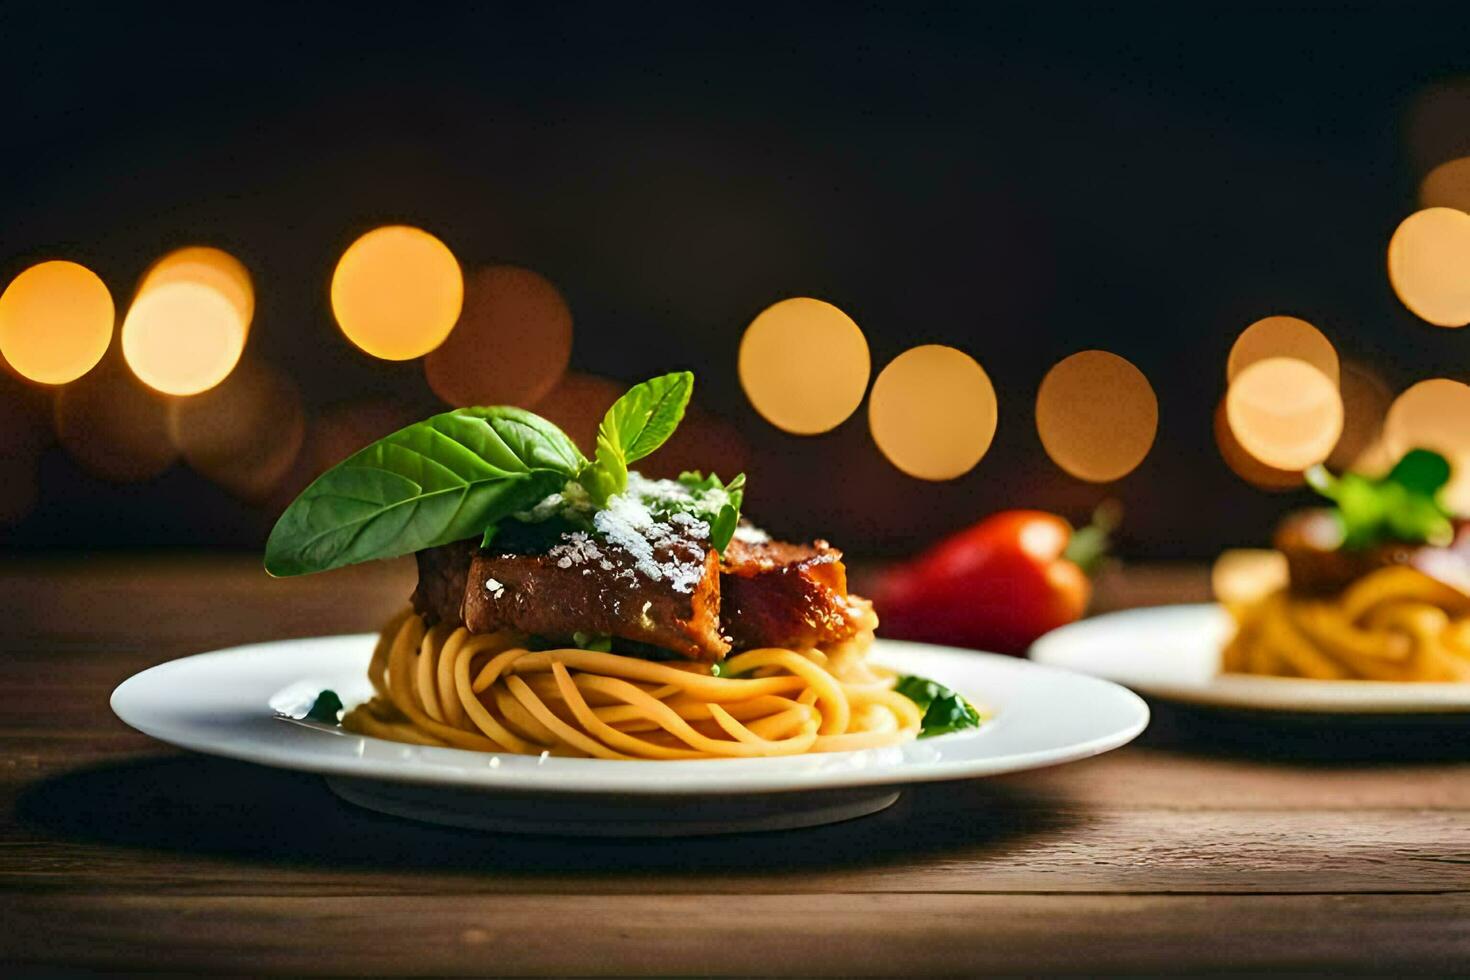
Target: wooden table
{"x":1207,"y":845}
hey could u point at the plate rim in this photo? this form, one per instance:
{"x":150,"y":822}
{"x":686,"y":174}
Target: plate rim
{"x":1243,"y":692}
{"x":605,"y":778}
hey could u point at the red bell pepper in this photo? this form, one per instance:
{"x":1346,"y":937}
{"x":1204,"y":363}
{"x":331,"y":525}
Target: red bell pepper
{"x":995,"y":586}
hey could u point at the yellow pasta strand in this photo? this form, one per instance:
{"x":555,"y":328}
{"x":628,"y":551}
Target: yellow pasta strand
{"x":444,"y":686}
{"x":1394,"y":624}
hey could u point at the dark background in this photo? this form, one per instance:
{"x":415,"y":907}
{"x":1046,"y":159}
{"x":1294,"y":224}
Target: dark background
{"x":1021,"y":183}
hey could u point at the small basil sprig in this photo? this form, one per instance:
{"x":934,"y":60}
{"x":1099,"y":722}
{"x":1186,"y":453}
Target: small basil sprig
{"x":724,"y":518}
{"x":1403,"y":506}
{"x":944,"y":710}
{"x":635,"y":425}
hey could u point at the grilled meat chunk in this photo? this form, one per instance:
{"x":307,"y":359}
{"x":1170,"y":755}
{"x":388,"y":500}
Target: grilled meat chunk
{"x":659,"y":586}
{"x":443,"y":572}
{"x":763,"y":594}
{"x":541,"y":595}
{"x":774,"y":593}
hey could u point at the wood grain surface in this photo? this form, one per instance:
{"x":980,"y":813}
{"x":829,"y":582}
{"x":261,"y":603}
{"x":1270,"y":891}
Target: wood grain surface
{"x":1214,"y":843}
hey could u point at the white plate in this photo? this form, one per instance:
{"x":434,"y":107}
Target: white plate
{"x":1173,"y":652}
{"x":226,"y":703}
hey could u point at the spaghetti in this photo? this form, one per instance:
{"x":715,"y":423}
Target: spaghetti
{"x":442,"y":685}
{"x":1393,"y":624}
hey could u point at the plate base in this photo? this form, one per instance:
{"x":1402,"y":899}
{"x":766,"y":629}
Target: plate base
{"x":597,"y":815}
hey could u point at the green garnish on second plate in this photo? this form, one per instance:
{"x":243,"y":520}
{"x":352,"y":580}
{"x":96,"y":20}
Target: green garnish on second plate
{"x":1405,"y":505}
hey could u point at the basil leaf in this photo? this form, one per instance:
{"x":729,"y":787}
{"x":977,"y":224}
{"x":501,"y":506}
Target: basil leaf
{"x":944,"y":710}
{"x":647,"y":414}
{"x":1421,"y":471}
{"x":716,"y":503}
{"x":610,"y":474}
{"x":1402,"y":506}
{"x":636,"y":424}
{"x":722,"y":528}
{"x":326,"y":708}
{"x":441,"y":480}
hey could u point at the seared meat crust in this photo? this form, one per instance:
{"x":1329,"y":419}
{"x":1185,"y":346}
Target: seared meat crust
{"x":761,"y":595}
{"x":554,"y":597}
{"x":535,"y":594}
{"x":777,"y":594}
{"x":443,"y":572}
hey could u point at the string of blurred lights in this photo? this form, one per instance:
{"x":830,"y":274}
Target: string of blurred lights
{"x":504,"y":335}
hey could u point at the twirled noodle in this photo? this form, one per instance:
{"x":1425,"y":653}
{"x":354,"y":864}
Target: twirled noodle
{"x":1394,"y":624}
{"x":445,"y":686}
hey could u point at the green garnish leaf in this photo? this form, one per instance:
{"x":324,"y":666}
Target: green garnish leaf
{"x":592,"y":641}
{"x":327,"y":708}
{"x":444,"y":479}
{"x":1421,"y":471}
{"x":945,"y":710}
{"x":716,"y":503}
{"x":636,"y":424}
{"x":1403,"y":506}
{"x":648,"y":413}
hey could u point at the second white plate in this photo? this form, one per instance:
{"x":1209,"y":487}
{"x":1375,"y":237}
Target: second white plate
{"x":1173,"y":652}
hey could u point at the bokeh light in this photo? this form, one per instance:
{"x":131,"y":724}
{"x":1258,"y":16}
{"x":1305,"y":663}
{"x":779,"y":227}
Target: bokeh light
{"x":511,"y":345}
{"x":933,"y":412}
{"x":1246,"y":466}
{"x":1285,"y":413}
{"x":1365,"y":401}
{"x":1429,"y":265}
{"x":804,"y":365}
{"x":397,"y":292}
{"x":244,"y":434}
{"x":1097,"y":415}
{"x":56,"y":322}
{"x":114,"y":426}
{"x":207,"y":266}
{"x":1282,"y":336}
{"x":1447,"y":186}
{"x":1435,"y":414}
{"x":187,"y":327}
